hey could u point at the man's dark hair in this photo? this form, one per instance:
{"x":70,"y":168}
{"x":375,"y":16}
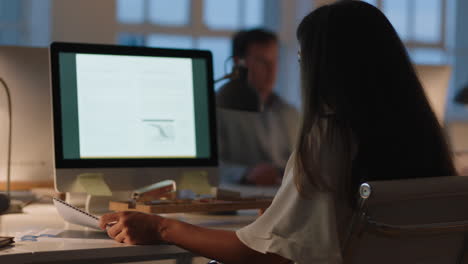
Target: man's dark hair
{"x":243,"y":39}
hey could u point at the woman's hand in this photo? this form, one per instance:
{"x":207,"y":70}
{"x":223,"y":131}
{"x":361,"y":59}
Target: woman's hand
{"x":132,"y":227}
{"x":140,"y":228}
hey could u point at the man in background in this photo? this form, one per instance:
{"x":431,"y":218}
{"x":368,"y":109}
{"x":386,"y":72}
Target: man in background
{"x":255,"y":146}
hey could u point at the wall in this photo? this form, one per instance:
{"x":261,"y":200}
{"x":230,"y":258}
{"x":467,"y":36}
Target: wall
{"x":83,"y":21}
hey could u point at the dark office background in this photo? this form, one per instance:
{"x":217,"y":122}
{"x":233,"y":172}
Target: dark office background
{"x":431,"y":29}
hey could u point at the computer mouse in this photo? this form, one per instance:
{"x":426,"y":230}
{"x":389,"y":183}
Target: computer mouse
{"x":4,"y":203}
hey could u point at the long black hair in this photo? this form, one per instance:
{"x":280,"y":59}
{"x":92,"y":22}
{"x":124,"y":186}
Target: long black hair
{"x":358,"y":84}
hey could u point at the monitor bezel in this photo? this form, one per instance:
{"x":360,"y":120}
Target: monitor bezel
{"x":60,"y":163}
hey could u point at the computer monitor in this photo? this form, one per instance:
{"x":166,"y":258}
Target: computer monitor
{"x":435,"y":81}
{"x":25,"y":71}
{"x":136,"y":115}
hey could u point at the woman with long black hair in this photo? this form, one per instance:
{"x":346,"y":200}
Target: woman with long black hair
{"x":365,"y":117}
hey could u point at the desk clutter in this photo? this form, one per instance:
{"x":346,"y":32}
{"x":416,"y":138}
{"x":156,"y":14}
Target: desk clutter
{"x":193,"y":195}
{"x":163,"y":198}
{"x":6,"y":241}
{"x":34,"y":235}
{"x":185,"y":206}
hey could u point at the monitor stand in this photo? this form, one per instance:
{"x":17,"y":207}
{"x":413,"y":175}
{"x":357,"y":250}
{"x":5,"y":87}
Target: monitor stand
{"x":95,"y":204}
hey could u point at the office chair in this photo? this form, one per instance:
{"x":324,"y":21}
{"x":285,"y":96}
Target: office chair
{"x":422,"y":220}
{"x":410,"y":221}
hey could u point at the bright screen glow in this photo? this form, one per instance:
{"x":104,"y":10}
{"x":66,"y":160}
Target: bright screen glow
{"x":135,"y":107}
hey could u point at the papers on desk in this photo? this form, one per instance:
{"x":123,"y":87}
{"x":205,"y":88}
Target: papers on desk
{"x":76,"y":216}
{"x":33,"y":235}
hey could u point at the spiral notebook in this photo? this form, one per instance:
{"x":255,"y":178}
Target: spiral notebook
{"x":76,"y":216}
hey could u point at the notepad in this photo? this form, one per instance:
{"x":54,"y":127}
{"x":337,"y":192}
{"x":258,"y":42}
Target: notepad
{"x":75,"y":215}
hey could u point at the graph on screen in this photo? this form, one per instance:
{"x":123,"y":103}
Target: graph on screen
{"x":160,"y":131}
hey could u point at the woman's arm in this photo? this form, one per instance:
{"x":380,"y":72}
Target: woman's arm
{"x":222,"y":245}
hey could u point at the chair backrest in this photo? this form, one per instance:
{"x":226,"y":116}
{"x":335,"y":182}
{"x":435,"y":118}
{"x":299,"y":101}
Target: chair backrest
{"x":423,"y":220}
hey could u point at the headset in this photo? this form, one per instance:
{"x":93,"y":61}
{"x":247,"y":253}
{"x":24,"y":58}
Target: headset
{"x":236,"y":72}
{"x":237,"y":94}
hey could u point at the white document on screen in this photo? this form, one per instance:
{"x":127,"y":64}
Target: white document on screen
{"x":135,"y":106}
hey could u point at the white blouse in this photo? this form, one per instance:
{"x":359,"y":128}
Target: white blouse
{"x":300,"y":229}
{"x":304,"y":229}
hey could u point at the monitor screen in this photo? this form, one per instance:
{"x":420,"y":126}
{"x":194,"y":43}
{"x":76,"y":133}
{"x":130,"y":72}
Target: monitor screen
{"x":119,"y":106}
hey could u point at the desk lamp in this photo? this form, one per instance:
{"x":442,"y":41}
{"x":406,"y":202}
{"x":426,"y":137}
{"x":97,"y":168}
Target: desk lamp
{"x":5,"y":198}
{"x":237,"y":94}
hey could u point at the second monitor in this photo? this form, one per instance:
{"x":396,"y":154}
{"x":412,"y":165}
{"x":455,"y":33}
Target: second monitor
{"x":136,"y":115}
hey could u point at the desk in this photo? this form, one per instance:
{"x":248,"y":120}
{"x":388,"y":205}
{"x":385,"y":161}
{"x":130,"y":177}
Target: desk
{"x":82,"y":245}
